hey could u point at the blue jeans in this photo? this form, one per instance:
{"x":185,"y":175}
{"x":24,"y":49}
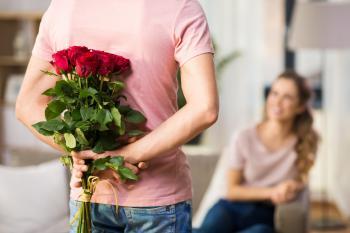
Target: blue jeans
{"x":160,"y":219}
{"x":243,"y":217}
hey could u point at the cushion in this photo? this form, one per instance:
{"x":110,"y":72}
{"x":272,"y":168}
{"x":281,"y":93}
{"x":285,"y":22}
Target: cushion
{"x":33,"y":198}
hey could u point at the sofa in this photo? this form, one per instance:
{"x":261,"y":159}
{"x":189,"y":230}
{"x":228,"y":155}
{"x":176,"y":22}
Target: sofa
{"x":32,"y":214}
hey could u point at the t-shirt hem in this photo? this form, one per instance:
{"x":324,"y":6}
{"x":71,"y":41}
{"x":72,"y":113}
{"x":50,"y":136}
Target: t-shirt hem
{"x":144,"y":202}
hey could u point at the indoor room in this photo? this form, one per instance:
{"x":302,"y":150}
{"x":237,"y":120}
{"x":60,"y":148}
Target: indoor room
{"x":241,"y":147}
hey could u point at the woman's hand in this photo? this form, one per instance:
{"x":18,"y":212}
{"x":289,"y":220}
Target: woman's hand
{"x":79,"y":167}
{"x":285,"y":191}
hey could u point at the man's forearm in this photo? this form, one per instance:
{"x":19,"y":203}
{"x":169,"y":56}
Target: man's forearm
{"x":174,"y":132}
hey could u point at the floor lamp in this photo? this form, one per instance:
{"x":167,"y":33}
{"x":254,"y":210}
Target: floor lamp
{"x":322,"y":26}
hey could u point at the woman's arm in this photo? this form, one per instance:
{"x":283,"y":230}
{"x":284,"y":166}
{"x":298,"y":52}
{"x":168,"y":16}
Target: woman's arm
{"x":237,"y":192}
{"x":280,"y":193}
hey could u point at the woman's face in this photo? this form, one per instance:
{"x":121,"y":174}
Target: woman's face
{"x":283,"y":101}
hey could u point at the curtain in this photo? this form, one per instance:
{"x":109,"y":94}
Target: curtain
{"x":255,"y":29}
{"x":337,"y":118}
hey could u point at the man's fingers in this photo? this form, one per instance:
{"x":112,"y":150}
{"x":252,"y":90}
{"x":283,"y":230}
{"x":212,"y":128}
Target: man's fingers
{"x":76,"y":173}
{"x":82,"y":168}
{"x":142,"y":165}
{"x":75,"y":184}
{"x":87,"y":154}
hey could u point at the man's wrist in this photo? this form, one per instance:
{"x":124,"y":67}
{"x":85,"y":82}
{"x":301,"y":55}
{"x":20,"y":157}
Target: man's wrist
{"x":129,"y":153}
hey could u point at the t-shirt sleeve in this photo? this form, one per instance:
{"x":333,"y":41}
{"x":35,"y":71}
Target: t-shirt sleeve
{"x":235,"y":153}
{"x":192,"y":34}
{"x":43,"y":48}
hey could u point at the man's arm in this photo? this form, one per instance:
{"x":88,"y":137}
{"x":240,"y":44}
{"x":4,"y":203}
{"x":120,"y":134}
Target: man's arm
{"x":201,"y":111}
{"x":31,"y":104}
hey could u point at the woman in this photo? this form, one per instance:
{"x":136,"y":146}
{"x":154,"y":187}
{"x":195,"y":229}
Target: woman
{"x":269,"y":161}
{"x":158,"y":37}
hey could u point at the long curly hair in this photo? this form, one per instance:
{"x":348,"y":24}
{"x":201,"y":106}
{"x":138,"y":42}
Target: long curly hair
{"x":307,"y":137}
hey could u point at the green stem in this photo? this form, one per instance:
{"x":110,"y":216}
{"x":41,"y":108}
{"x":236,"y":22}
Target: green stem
{"x":101,"y":83}
{"x":85,"y":219}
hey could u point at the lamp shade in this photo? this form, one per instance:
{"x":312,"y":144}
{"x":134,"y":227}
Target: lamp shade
{"x":320,"y":25}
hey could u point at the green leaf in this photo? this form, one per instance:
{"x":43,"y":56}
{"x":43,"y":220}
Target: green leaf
{"x":87,"y":113}
{"x":68,"y":100}
{"x":58,"y":138}
{"x":53,"y":125}
{"x":106,"y":141}
{"x":124,"y":109}
{"x":126,"y":173}
{"x":135,"y":133}
{"x":117,"y":117}
{"x":88,"y":92}
{"x":63,"y":88}
{"x":67,"y":116}
{"x":70,"y":140}
{"x":83,"y":125}
{"x":57,"y":106}
{"x":50,"y":92}
{"x":104,"y":117}
{"x":81,"y":137}
{"x":67,"y":161}
{"x":98,"y":148}
{"x":54,"y":109}
{"x":117,"y":161}
{"x":100,"y":164}
{"x":121,"y":130}
{"x":116,"y":86}
{"x":135,"y":117}
{"x":50,"y":114}
{"x":38,"y":127}
{"x":76,"y":115}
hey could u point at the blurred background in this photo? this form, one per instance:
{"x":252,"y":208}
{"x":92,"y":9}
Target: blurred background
{"x":255,"y":40}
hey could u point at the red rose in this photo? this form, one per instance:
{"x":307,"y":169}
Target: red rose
{"x":106,"y":65}
{"x":76,"y":51}
{"x":61,"y":62}
{"x":121,"y":64}
{"x":87,"y":64}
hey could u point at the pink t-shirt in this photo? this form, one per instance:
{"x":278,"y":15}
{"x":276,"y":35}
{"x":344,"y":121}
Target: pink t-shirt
{"x":261,"y":168}
{"x":157,"y":36}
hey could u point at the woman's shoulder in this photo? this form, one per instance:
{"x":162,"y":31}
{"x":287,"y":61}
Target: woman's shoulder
{"x":246,"y":132}
{"x":244,"y":135}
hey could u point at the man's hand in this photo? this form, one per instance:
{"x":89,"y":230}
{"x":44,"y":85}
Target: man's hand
{"x":285,"y":191}
{"x":79,"y":167}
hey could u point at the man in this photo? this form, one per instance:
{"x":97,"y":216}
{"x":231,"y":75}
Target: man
{"x":158,"y":37}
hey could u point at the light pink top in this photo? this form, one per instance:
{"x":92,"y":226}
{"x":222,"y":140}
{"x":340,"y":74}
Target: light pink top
{"x":157,"y":36}
{"x":261,"y":168}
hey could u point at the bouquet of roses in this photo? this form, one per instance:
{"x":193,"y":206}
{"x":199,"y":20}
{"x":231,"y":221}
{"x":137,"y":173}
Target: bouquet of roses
{"x":86,"y":112}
